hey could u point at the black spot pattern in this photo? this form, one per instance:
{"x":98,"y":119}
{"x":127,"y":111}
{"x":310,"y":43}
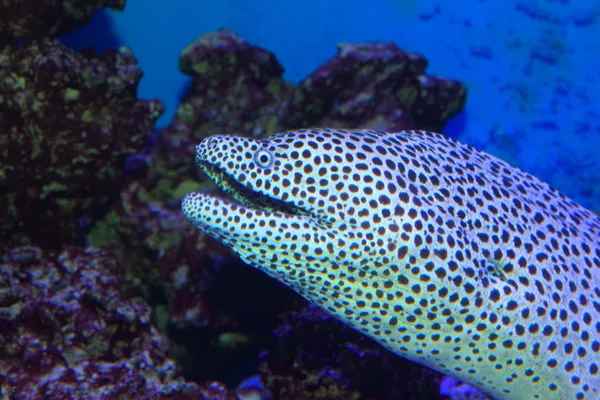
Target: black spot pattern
{"x":445,"y":255}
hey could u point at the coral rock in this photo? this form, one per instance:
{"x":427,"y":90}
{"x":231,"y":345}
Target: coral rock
{"x":206,"y":303}
{"x":33,"y":19}
{"x":313,"y":355}
{"x":67,"y":331}
{"x":236,"y":87}
{"x":376,"y":86}
{"x":67,"y":122}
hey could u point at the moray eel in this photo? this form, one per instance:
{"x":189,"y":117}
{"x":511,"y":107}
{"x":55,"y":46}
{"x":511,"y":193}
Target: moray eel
{"x":443,"y":254}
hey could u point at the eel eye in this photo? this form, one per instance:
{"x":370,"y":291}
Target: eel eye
{"x":263,"y":158}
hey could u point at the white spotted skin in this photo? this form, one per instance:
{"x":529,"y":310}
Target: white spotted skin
{"x":443,"y":254}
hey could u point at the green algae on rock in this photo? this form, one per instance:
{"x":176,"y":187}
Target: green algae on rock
{"x":32,"y":19}
{"x":68,"y":120}
{"x":72,"y":332}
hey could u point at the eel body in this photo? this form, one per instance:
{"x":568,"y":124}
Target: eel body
{"x":443,"y":254}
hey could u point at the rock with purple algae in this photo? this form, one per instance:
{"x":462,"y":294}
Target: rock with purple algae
{"x":313,"y":355}
{"x":67,"y":122}
{"x":67,"y":331}
{"x":34,"y":19}
{"x":453,"y":389}
{"x":377,"y":86}
{"x":154,"y":242}
{"x":237,"y":88}
{"x":212,"y":305}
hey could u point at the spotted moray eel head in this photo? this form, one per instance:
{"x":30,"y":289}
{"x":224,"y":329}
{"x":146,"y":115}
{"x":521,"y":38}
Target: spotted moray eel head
{"x":303,"y":205}
{"x":446,"y":255}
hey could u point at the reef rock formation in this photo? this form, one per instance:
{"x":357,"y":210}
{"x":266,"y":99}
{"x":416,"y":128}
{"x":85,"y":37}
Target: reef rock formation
{"x":313,"y":356}
{"x":67,"y":330}
{"x":238,"y":88}
{"x":376,"y":86}
{"x":33,"y":19}
{"x":67,"y":122}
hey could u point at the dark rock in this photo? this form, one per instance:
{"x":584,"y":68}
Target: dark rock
{"x":376,"y":86}
{"x":67,"y":122}
{"x":313,"y":355}
{"x":34,"y":19}
{"x":67,"y":331}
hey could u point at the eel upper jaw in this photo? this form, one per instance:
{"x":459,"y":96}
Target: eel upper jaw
{"x":251,"y":198}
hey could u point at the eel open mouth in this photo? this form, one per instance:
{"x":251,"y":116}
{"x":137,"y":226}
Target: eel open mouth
{"x":247,"y":197}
